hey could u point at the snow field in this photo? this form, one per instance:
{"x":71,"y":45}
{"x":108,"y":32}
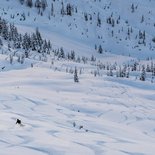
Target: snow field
{"x":114,"y":117}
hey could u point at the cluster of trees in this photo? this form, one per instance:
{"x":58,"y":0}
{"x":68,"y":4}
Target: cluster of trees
{"x":38,"y":3}
{"x":34,"y":41}
{"x":111,"y":21}
{"x":114,"y":20}
{"x":137,"y":69}
{"x":133,"y":7}
{"x":140,"y":71}
{"x":41,"y":5}
{"x":70,"y":56}
{"x":126,"y":70}
{"x":99,"y":49}
{"x":142,"y":37}
{"x":129,"y":33}
{"x":27,"y":42}
{"x":67,"y":10}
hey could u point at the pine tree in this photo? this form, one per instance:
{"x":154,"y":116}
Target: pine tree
{"x":52,"y":10}
{"x":69,"y":10}
{"x":127,"y":73}
{"x":72,"y":56}
{"x":11,"y":59}
{"x":5,"y":30}
{"x":142,"y":19}
{"x":100,"y":50}
{"x":26,"y":54}
{"x":93,"y":58}
{"x":43,"y":4}
{"x":22,"y":59}
{"x":110,"y":72}
{"x":132,"y":8}
{"x":76,"y":79}
{"x":148,"y":68}
{"x":134,"y":67}
{"x":98,"y":20}
{"x":1,"y":43}
{"x":143,"y":74}
{"x":62,"y":54}
{"x":62,"y":9}
{"x":153,"y":71}
{"x":26,"y":42}
{"x":86,"y":16}
{"x":29,"y":3}
{"x":33,"y":42}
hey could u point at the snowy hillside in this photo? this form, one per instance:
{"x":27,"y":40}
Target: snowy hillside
{"x":120,"y":27}
{"x":80,"y":75}
{"x":96,"y":116}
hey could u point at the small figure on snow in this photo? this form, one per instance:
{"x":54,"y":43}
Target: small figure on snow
{"x":81,"y":126}
{"x":19,"y":122}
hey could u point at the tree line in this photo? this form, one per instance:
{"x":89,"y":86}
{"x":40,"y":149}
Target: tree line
{"x":26,"y":42}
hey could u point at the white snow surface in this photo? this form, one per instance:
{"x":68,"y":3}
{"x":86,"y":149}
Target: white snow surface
{"x":74,"y":33}
{"x":116,"y":116}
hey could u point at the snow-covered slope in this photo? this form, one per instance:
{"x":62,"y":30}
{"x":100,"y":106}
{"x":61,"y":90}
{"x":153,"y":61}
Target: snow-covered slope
{"x":100,"y":114}
{"x":96,"y":116}
{"x":118,"y":30}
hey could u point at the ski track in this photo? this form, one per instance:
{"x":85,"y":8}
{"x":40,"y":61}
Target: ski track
{"x":113,"y":114}
{"x":117,"y":115}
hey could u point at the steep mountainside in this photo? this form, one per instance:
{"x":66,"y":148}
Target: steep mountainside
{"x":120,"y":27}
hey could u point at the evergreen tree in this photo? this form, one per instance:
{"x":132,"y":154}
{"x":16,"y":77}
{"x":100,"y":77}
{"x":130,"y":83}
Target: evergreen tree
{"x":72,"y":56}
{"x":62,"y":54}
{"x":5,"y":30}
{"x":69,"y":10}
{"x":1,"y":43}
{"x":127,"y":73}
{"x":143,"y":74}
{"x":100,"y":50}
{"x":62,"y":9}
{"x":142,"y":19}
{"x":98,"y":20}
{"x":110,"y":73}
{"x":86,"y":16}
{"x":52,"y":10}
{"x":11,"y":59}
{"x":43,"y":4}
{"x":26,"y":42}
{"x":29,"y":3}
{"x":153,"y":71}
{"x":76,"y":79}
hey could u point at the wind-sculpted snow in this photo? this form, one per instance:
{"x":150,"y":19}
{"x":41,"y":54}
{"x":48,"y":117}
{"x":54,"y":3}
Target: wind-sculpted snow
{"x":97,"y":116}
